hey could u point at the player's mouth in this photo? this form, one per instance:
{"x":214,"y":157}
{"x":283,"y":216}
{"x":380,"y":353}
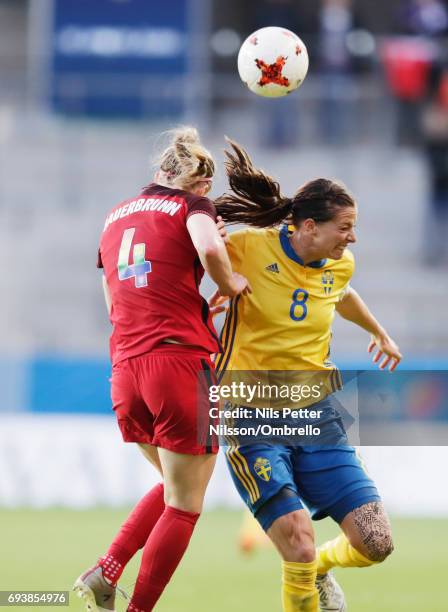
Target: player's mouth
{"x":338,"y":250}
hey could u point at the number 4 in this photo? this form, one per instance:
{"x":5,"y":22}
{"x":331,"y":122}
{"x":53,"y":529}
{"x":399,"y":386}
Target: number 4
{"x":140,"y":268}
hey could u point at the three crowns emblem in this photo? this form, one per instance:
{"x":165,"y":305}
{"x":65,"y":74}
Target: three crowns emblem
{"x":327,"y":281}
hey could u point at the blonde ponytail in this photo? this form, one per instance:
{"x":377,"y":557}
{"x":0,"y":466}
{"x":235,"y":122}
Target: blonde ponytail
{"x":186,"y":161}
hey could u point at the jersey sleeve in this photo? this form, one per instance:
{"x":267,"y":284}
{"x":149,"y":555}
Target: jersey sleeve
{"x":99,"y":261}
{"x":202,"y":206}
{"x":236,"y":247}
{"x":345,"y":289}
{"x":350,"y":268}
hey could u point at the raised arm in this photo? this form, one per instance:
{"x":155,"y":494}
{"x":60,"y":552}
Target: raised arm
{"x":213,"y":255}
{"x":107,"y":297}
{"x":353,"y":308}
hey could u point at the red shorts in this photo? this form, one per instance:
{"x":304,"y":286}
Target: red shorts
{"x":161,"y":398}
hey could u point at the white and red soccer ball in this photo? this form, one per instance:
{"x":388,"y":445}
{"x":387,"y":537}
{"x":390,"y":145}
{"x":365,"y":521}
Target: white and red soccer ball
{"x":272,"y":62}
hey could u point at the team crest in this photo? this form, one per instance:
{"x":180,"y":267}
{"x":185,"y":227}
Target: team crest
{"x":327,"y":281}
{"x":263,"y":468}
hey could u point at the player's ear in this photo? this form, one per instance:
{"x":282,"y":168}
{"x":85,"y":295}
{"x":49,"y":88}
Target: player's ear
{"x":202,"y":188}
{"x":309,"y":225}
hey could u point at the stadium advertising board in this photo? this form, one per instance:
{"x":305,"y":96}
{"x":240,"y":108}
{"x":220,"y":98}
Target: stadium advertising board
{"x":115,"y":57}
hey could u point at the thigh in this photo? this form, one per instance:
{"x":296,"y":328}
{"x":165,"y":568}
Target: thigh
{"x":175,"y":388}
{"x":186,"y":478}
{"x":134,"y":418}
{"x":332,"y":481}
{"x":260,"y":472}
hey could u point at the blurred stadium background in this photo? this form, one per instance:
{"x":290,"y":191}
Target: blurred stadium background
{"x":85,"y":90}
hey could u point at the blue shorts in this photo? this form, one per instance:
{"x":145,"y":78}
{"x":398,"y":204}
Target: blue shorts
{"x":327,"y":480}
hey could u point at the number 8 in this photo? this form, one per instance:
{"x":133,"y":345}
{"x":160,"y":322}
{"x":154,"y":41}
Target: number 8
{"x":296,"y":302}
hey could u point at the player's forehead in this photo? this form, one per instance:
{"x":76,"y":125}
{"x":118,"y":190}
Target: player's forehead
{"x":346,"y":215}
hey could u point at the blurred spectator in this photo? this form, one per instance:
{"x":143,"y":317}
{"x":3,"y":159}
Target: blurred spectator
{"x":423,"y":17}
{"x":335,"y":23}
{"x":407,"y":63}
{"x":435,"y":132}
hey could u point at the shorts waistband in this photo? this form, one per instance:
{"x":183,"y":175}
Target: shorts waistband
{"x":169,"y":348}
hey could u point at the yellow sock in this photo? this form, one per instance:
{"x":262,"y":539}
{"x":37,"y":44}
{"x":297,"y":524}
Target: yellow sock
{"x":299,"y":593}
{"x":339,"y":553}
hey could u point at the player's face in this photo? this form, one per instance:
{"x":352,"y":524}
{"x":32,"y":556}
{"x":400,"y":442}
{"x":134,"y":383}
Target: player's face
{"x":332,"y":237}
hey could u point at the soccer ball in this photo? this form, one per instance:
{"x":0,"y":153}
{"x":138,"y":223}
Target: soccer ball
{"x":272,"y":62}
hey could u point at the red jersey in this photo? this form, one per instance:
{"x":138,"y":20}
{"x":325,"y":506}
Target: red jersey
{"x":153,"y":273}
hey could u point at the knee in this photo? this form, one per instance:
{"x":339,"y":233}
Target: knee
{"x":294,"y":540}
{"x":381,"y":546}
{"x":184,"y":500}
{"x":299,"y":547}
{"x":376,"y":545}
{"x":307,"y":553}
{"x":370,"y":532}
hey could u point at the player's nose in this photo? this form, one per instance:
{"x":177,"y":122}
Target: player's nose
{"x":352,"y":237}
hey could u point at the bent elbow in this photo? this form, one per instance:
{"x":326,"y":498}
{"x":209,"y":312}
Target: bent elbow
{"x":210,"y":251}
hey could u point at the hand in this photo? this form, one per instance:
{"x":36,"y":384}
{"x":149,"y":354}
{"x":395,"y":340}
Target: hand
{"x":387,"y":347}
{"x":221,"y":226}
{"x":217,"y":303}
{"x":239,"y":285}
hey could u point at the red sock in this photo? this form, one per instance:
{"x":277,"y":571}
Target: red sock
{"x":133,"y":534}
{"x":162,"y":554}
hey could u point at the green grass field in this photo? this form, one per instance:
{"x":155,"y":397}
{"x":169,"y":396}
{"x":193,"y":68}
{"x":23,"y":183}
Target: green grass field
{"x":48,"y":549}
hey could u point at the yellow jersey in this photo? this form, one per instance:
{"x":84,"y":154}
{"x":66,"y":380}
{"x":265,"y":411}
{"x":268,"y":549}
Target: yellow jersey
{"x":285,"y":324}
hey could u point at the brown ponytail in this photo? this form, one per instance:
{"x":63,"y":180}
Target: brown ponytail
{"x":256,"y":199}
